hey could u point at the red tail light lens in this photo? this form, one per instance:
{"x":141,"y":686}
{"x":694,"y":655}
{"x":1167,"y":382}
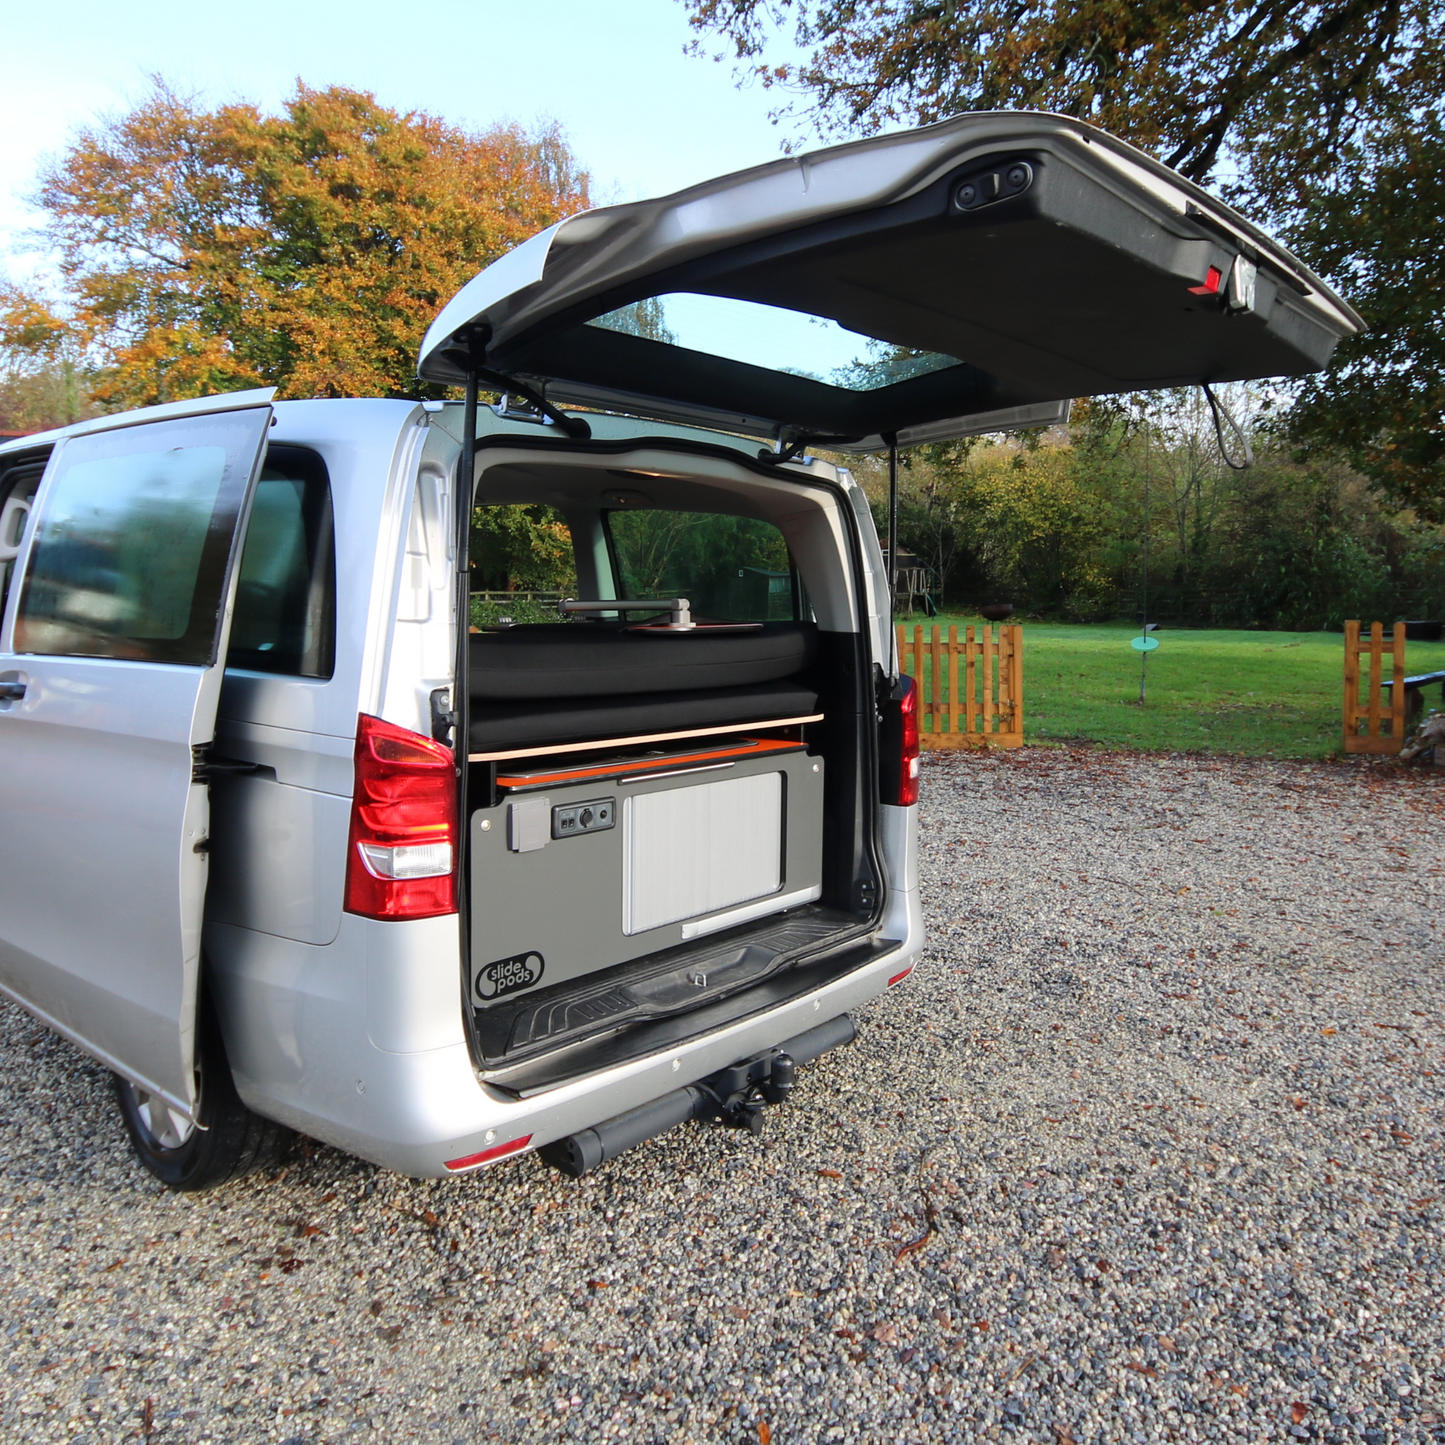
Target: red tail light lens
{"x":899,"y":745}
{"x":908,"y":764}
{"x":402,"y":851}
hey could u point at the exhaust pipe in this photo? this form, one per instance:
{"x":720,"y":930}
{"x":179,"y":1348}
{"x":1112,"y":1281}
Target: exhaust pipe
{"x":736,"y":1096}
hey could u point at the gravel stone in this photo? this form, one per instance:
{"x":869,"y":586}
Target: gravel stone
{"x":1147,"y":1148}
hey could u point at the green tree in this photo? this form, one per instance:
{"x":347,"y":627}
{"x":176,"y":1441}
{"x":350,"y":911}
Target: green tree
{"x":521,"y":549}
{"x":1376,"y":231}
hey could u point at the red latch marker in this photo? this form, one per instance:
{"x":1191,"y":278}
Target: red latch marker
{"x":1212,"y":281}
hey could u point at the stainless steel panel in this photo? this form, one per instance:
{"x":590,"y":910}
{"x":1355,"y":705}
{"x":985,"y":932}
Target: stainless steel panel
{"x":693,"y":850}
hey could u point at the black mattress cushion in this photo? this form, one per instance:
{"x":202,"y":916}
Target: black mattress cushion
{"x":497,"y":726}
{"x":580,"y":660}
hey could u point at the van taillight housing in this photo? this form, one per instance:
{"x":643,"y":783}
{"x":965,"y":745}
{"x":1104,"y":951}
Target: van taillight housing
{"x":898,"y":746}
{"x":401,"y":856}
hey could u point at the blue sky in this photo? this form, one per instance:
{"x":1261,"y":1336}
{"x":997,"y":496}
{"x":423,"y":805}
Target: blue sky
{"x":644,"y":117}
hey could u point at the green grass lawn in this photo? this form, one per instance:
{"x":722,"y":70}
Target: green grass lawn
{"x":1264,"y":694}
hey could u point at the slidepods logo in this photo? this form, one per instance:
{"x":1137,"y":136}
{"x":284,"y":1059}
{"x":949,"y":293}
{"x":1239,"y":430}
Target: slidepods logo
{"x":507,"y":975}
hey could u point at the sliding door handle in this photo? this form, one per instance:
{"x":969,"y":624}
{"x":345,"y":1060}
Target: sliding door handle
{"x":12,"y":691}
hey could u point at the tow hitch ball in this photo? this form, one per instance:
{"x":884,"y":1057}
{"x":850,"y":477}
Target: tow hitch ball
{"x":745,"y":1090}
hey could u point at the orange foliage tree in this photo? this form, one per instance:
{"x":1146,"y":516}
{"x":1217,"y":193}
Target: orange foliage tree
{"x":207,"y":250}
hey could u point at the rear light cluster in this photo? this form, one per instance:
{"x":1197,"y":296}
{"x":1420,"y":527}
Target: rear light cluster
{"x":899,"y":745}
{"x":402,"y":850}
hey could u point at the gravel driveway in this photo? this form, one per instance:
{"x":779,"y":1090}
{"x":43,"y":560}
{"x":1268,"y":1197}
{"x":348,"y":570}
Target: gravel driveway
{"x":1149,"y":1148}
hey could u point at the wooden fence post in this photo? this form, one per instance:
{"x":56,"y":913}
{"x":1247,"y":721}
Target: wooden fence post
{"x":1371,"y":740}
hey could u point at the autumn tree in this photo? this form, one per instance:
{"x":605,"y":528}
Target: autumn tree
{"x":42,"y":377}
{"x":206,"y":250}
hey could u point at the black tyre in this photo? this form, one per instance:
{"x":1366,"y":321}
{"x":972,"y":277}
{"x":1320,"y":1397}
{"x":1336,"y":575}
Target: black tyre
{"x":230,"y":1140}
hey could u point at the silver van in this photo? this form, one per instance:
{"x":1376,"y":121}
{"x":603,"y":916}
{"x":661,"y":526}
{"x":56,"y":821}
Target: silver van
{"x":288,"y":843}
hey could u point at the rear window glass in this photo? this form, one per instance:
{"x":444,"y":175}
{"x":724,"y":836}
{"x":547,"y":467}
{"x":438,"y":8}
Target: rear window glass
{"x":734,"y":569}
{"x":522,"y":563}
{"x":774,"y":338}
{"x":285,"y":619}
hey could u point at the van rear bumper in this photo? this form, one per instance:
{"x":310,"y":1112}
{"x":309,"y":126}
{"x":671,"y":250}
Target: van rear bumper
{"x":307,"y":1051}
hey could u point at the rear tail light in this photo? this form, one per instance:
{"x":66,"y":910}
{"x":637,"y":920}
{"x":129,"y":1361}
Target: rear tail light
{"x":899,"y":745}
{"x":402,"y":851}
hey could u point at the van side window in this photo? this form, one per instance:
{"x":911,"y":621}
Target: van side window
{"x":285,"y":618}
{"x":18,"y":485}
{"x":730,"y":568}
{"x":134,"y":541}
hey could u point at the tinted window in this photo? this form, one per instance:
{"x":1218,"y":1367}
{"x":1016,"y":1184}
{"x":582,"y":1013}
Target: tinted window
{"x":286,"y":595}
{"x":18,"y":486}
{"x":134,"y":540}
{"x":773,"y":337}
{"x":733,"y":568}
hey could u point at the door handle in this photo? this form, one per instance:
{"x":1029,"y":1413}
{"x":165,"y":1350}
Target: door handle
{"x":12,"y":691}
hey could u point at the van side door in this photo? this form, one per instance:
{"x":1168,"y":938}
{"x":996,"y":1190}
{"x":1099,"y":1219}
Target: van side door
{"x":111,"y":656}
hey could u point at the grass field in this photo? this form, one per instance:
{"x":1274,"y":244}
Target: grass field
{"x":1265,"y":694}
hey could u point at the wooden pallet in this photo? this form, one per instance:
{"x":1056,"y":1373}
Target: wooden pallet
{"x":978,"y":704}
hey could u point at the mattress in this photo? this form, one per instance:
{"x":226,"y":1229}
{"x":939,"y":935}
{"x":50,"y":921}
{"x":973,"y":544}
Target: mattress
{"x":584,"y":660}
{"x":524,"y":724}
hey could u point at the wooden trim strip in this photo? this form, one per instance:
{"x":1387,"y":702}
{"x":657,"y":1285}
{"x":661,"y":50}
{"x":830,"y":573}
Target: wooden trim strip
{"x":759,"y":748}
{"x":552,"y":749}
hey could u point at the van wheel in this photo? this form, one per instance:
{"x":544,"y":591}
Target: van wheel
{"x":230,"y":1140}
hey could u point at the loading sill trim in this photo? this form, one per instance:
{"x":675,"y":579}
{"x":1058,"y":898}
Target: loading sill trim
{"x":701,"y":927}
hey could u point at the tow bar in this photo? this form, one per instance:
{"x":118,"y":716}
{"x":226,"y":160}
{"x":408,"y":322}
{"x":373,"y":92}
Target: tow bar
{"x":735,"y":1096}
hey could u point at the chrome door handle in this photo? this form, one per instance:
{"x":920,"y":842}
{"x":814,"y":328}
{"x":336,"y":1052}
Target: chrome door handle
{"x":12,"y":691}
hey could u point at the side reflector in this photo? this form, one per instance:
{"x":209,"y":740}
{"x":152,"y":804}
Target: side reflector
{"x":497,"y":1151}
{"x":1213,"y":279}
{"x":899,"y":977}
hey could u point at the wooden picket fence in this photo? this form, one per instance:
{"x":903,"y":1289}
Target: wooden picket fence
{"x":979,"y":703}
{"x":1375,"y":710}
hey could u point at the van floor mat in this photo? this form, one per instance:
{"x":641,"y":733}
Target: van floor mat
{"x":672,"y":982}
